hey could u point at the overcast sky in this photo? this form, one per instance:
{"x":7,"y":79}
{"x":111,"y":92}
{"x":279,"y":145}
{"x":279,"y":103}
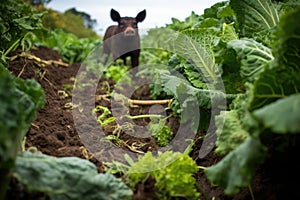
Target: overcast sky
{"x":159,"y":12}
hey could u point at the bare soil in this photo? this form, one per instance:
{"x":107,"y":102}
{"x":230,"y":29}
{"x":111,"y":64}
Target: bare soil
{"x":54,"y":133}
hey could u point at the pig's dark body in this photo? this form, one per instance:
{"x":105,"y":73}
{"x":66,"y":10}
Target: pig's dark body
{"x":123,"y":40}
{"x":121,"y":46}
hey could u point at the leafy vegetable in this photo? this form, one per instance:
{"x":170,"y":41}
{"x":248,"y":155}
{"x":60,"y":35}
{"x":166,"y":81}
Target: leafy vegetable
{"x":17,"y":22}
{"x":237,"y":168}
{"x":67,"y":178}
{"x":160,"y":131}
{"x":20,"y":100}
{"x":117,"y":73}
{"x":255,"y":15}
{"x":201,"y":59}
{"x":268,"y":109}
{"x":173,"y":173}
{"x":252,"y":55}
{"x":72,"y":48}
{"x":287,"y":118}
{"x":230,"y":132}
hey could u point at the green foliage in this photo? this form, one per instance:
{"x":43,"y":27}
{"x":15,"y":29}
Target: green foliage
{"x":251,"y":55}
{"x":71,"y":48}
{"x":202,"y":59}
{"x":261,"y":70}
{"x":88,"y":21}
{"x":255,"y":16}
{"x":18,"y":22}
{"x":20,"y":101}
{"x":268,"y":109}
{"x":189,"y":22}
{"x":160,"y":131}
{"x":37,"y":2}
{"x":237,"y":168}
{"x":287,"y":107}
{"x":230,"y":132}
{"x":68,"y":22}
{"x":173,"y":173}
{"x":103,"y":119}
{"x":67,"y":178}
{"x":117,"y":73}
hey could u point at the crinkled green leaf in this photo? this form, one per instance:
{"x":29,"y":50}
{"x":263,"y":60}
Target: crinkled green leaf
{"x":237,"y":168}
{"x":20,"y":100}
{"x":287,"y":41}
{"x":193,"y":75}
{"x":228,"y":32}
{"x":67,"y":178}
{"x":225,"y":10}
{"x":229,"y":131}
{"x":194,"y":46}
{"x":255,"y":15}
{"x":160,"y":131}
{"x":179,"y":86}
{"x":214,"y":10}
{"x":273,"y":84}
{"x":172,"y":171}
{"x":287,"y":117}
{"x":253,"y":56}
{"x":281,"y":77}
{"x":208,"y":22}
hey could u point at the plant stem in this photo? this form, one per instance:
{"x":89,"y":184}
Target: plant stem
{"x":149,"y":102}
{"x":5,"y":175}
{"x":144,"y":116}
{"x":11,"y":47}
{"x":202,"y":191}
{"x":251,"y":192}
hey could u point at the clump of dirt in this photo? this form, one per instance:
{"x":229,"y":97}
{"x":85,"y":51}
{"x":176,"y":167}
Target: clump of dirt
{"x":55,"y":133}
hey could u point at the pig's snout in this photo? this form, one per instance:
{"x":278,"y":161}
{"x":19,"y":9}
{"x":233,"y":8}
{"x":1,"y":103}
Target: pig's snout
{"x":129,"y":31}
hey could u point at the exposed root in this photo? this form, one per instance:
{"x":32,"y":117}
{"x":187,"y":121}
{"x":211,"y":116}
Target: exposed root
{"x":39,"y":61}
{"x":149,"y":102}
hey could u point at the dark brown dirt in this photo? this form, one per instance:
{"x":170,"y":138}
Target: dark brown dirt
{"x":54,"y":133}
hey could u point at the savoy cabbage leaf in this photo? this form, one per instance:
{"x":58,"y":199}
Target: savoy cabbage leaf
{"x":236,"y":169}
{"x":270,"y":106}
{"x":271,"y":85}
{"x":230,"y":132}
{"x":281,"y":76}
{"x":287,"y":118}
{"x":20,"y":100}
{"x":255,"y":15}
{"x":197,"y":54}
{"x":253,"y":56}
{"x":67,"y":178}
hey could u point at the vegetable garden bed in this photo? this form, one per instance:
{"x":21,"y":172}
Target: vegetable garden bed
{"x":237,"y":66}
{"x":53,"y":133}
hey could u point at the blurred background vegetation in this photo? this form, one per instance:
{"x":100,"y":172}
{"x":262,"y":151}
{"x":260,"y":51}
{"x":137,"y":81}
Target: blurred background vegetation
{"x":71,"y":21}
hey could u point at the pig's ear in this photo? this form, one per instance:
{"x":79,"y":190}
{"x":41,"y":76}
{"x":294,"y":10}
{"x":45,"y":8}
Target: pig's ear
{"x":141,"y":16}
{"x":115,"y":16}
